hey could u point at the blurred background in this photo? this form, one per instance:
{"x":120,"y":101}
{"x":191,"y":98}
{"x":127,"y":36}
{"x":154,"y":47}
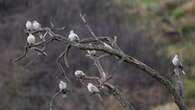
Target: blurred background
{"x":149,"y":30}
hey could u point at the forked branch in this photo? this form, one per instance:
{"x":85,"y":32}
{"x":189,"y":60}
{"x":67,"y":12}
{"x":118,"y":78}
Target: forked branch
{"x":112,"y":49}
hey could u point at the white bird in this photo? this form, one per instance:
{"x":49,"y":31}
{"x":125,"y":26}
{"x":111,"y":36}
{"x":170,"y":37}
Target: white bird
{"x":79,"y":73}
{"x":73,"y":36}
{"x":36,"y":25}
{"x":92,"y":88}
{"x":103,"y":76}
{"x":91,"y":52}
{"x":177,"y":63}
{"x":29,"y":25}
{"x":62,"y":85}
{"x":107,"y":46}
{"x":31,"y":39}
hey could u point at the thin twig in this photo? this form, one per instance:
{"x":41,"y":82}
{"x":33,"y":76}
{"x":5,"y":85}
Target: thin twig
{"x":88,"y":27}
{"x":91,"y":40}
{"x":99,"y":67}
{"x":53,"y":99}
{"x":22,"y":56}
{"x":40,"y":51}
{"x":118,"y":96}
{"x":59,"y":65}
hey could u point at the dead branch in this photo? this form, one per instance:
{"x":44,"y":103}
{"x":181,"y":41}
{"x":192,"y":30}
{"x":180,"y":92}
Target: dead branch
{"x":53,"y":99}
{"x":22,"y":56}
{"x":113,"y":51}
{"x":150,"y":71}
{"x":67,"y":49}
{"x":111,"y":90}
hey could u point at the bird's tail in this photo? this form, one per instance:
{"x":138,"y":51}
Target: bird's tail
{"x":181,"y":88}
{"x":100,"y":97}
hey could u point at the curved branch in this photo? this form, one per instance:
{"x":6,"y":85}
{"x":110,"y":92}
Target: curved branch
{"x":67,"y":49}
{"x":112,"y":91}
{"x":22,"y":56}
{"x":53,"y":99}
{"x":59,"y":65}
{"x":150,"y":71}
{"x":83,"y":45}
{"x":100,"y":69}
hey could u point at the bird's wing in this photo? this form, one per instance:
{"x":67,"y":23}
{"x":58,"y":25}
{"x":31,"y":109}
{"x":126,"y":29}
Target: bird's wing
{"x":77,"y":37}
{"x":95,"y":89}
{"x":180,"y":64}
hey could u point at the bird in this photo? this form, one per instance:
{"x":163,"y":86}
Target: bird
{"x":62,"y":85}
{"x":73,"y":36}
{"x":29,"y":25}
{"x":63,"y":88}
{"x":177,"y":63}
{"x":31,"y":39}
{"x":79,"y":74}
{"x":91,"y":52}
{"x":178,"y":78}
{"x":92,"y":88}
{"x":107,"y":46}
{"x":103,"y":76}
{"x":36,"y":25}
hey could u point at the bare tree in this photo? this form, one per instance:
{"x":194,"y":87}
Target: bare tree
{"x":104,"y":44}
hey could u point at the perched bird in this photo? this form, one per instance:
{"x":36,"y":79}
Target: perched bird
{"x":177,"y":63}
{"x":29,"y":25}
{"x":36,"y":25}
{"x":79,"y":74}
{"x":73,"y":36}
{"x":91,"y":52}
{"x":107,"y":46}
{"x":31,"y":39}
{"x":62,"y":85}
{"x":63,"y":88}
{"x":92,"y":88}
{"x":178,"y":69}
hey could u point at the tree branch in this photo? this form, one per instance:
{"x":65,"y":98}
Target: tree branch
{"x":118,"y":96}
{"x":113,"y":91}
{"x":150,"y":71}
{"x":117,"y":52}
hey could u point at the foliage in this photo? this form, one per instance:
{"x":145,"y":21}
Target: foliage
{"x":171,"y":23}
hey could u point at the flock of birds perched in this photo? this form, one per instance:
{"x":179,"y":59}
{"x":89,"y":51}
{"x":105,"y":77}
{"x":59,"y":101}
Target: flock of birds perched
{"x":91,"y":87}
{"x":35,"y":25}
{"x":73,"y":37}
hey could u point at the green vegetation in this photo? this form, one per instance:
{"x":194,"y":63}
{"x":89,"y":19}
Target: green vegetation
{"x":173,"y":25}
{"x":190,"y":94}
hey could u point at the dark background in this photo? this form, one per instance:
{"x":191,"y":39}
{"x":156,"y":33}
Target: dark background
{"x":30,"y":84}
